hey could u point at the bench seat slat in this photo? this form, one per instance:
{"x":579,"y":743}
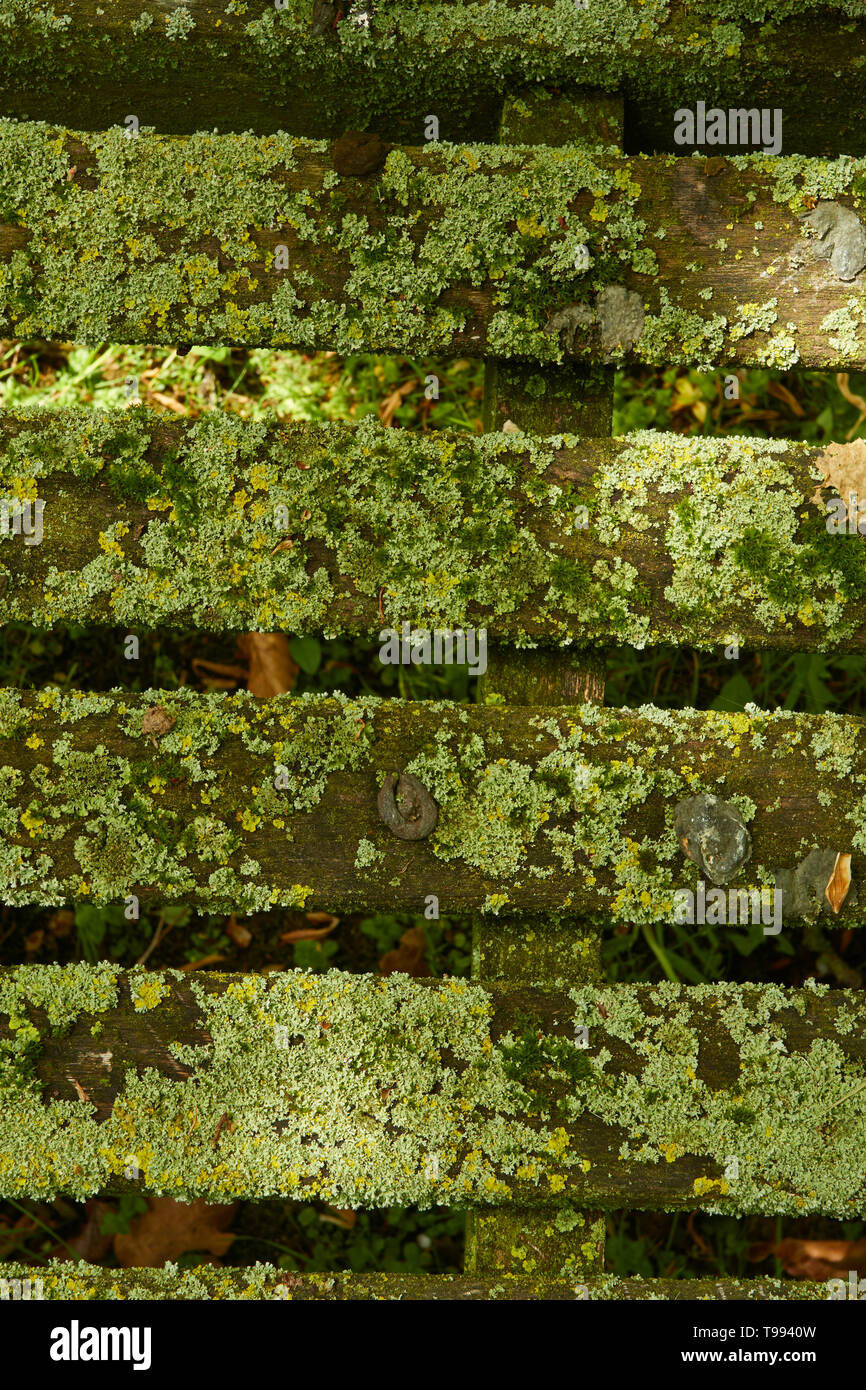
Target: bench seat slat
{"x":81,"y":1281}
{"x":242,"y":69}
{"x":236,"y":804}
{"x":652,"y":538}
{"x":477,"y":249}
{"x":371,"y":1092}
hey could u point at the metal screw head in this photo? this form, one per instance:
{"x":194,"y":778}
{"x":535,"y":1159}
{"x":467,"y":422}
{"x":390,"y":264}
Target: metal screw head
{"x":713,"y":834}
{"x":406,"y":807}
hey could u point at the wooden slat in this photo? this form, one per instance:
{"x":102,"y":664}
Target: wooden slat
{"x":447,"y":248}
{"x":81,"y":1281}
{"x":172,"y":795}
{"x":156,"y":522}
{"x":257,"y":68}
{"x":388,"y":1091}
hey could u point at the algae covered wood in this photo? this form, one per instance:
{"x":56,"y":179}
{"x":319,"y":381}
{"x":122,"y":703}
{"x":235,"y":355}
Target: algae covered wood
{"x":252,"y":66}
{"x":236,"y":804}
{"x":80,"y":1281}
{"x":572,"y":253}
{"x":377,"y":1091}
{"x":225,"y":524}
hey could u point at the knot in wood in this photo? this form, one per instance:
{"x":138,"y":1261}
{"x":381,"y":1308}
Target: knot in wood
{"x":713,"y":834}
{"x":406,"y":807}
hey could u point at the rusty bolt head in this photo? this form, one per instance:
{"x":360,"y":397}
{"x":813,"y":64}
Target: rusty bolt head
{"x":406,"y":807}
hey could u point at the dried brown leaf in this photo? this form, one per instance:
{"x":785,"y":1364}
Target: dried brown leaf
{"x":308,"y":933}
{"x":814,"y":1259}
{"x":169,"y":1228}
{"x":321,"y":919}
{"x":844,"y":469}
{"x":271,"y":668}
{"x":840,"y":881}
{"x":409,"y":957}
{"x":240,"y":935}
{"x":205,"y":960}
{"x":388,"y":407}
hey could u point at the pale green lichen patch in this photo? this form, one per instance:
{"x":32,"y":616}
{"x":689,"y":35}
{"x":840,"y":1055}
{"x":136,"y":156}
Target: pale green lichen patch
{"x":786,"y":1133}
{"x":739,"y":538}
{"x":117,"y":811}
{"x":335,"y":1087}
{"x":566,"y":809}
{"x":164,"y":238}
{"x":220,"y":528}
{"x":372,"y":1091}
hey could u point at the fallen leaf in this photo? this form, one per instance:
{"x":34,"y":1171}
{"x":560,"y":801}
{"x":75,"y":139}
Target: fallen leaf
{"x":169,"y":402}
{"x":203,"y":668}
{"x":271,"y":668}
{"x":814,"y":1259}
{"x":169,"y":1228}
{"x":840,"y":881}
{"x":844,"y":469}
{"x":240,"y":935}
{"x":310,"y":933}
{"x":388,"y":407}
{"x":343,"y":1217}
{"x":79,"y":1089}
{"x":409,"y":957}
{"x":205,"y":960}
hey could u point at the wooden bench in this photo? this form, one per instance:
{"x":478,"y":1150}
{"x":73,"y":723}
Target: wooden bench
{"x":535,"y":1096}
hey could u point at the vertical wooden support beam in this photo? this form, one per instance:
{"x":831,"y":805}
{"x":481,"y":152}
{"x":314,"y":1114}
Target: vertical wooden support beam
{"x":580,"y":401}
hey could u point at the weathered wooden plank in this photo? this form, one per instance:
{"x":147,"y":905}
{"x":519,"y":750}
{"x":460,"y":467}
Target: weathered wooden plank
{"x":513,"y":252}
{"x":236,"y":804}
{"x":254,"y":67}
{"x":371,"y":1091}
{"x":153,"y":522}
{"x":79,"y":1282}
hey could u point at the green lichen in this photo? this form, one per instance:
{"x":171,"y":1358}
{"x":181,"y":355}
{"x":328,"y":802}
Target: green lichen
{"x":569,"y":809}
{"x":796,"y":1151}
{"x":365,"y":1059}
{"x":219,"y":501}
{"x":163,"y":238}
{"x":372,"y":1091}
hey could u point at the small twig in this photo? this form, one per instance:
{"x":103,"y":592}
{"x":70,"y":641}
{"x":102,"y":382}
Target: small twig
{"x":223,"y":1120}
{"x":156,"y":938}
{"x":53,"y":1234}
{"x":847,"y":1097}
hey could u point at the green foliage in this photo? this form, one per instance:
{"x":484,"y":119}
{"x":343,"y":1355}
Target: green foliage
{"x":118,"y":1221}
{"x":104,"y":933}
